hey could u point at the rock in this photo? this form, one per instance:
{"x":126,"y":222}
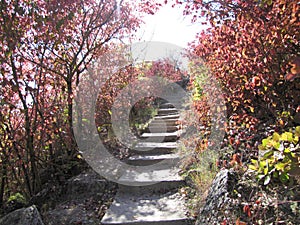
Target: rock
{"x":236,"y":196}
{"x":218,"y":201}
{"x":24,"y":216}
{"x":82,"y":201}
{"x":85,"y":184}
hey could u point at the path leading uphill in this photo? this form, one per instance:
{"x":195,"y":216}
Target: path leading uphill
{"x":153,"y":197}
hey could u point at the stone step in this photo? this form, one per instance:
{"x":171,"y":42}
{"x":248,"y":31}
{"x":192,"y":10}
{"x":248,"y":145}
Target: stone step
{"x":151,"y":145}
{"x":157,"y":128}
{"x":165,"y":122}
{"x":158,"y":175}
{"x":147,"y":209}
{"x":160,"y":137}
{"x":144,"y":149}
{"x":162,"y":187}
{"x":145,"y":160}
{"x":148,"y":190}
{"x":153,"y":151}
{"x":165,"y":134}
{"x":161,"y":120}
{"x":168,"y":116}
{"x":167,"y":111}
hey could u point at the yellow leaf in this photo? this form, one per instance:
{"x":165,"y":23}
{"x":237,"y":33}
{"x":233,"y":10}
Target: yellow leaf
{"x":297,"y":131}
{"x":276,"y":136}
{"x":252,"y":167}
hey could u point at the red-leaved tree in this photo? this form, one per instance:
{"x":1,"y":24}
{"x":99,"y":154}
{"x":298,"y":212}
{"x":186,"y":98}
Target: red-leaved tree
{"x":45,"y":47}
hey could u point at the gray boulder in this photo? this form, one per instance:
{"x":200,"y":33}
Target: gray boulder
{"x":24,"y":216}
{"x":218,"y":205}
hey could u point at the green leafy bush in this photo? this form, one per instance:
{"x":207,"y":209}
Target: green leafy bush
{"x":280,"y":157}
{"x":17,"y":197}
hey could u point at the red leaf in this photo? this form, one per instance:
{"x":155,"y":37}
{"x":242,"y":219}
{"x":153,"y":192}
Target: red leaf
{"x":247,"y":210}
{"x":224,"y":222}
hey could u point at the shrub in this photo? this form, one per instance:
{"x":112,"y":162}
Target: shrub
{"x":280,"y":157}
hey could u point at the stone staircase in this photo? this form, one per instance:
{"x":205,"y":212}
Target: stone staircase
{"x":152,"y":197}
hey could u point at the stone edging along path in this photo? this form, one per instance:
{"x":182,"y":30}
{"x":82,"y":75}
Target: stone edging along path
{"x":158,"y":203}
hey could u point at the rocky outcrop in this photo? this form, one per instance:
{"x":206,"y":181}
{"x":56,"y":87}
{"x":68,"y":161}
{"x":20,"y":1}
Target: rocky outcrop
{"x":218,"y":202}
{"x":24,"y":216}
{"x":235,"y":197}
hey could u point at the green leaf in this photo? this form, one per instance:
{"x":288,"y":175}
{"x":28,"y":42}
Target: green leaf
{"x":276,"y":145}
{"x":254,"y":161}
{"x":287,"y":136}
{"x":262,"y":164}
{"x":283,"y":137}
{"x":280,"y":166}
{"x":265,"y":142}
{"x":287,"y":150}
{"x":290,"y":137}
{"x":17,"y":197}
{"x":268,"y":154}
{"x":266,"y":170}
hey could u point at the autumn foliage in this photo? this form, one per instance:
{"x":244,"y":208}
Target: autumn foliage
{"x":252,"y":49}
{"x":130,"y":75}
{"x":45,"y":48}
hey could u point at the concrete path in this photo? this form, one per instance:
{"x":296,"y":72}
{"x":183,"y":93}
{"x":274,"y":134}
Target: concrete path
{"x":152,"y":198}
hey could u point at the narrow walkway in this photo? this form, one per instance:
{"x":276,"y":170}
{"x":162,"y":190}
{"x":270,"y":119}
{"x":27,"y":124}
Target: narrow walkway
{"x":158,"y":203}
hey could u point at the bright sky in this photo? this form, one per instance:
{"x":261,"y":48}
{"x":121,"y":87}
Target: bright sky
{"x":169,"y":25}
